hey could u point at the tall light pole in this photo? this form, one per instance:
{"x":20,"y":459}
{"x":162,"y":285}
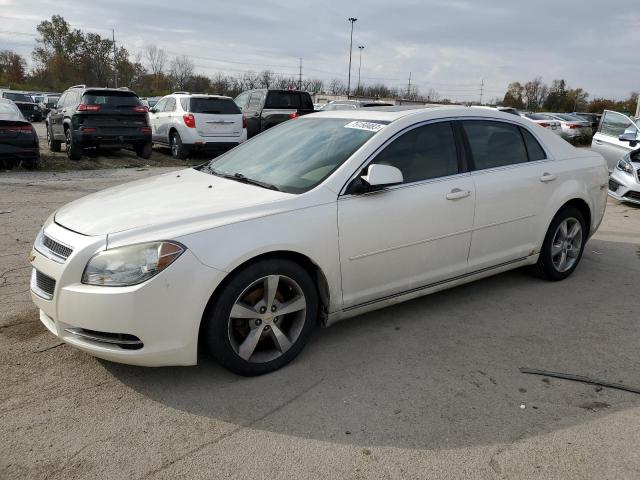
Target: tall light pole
{"x":360,"y":47}
{"x":352,"y":20}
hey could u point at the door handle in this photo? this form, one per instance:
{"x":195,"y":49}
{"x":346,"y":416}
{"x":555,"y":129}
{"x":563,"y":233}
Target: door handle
{"x":547,"y":177}
{"x":456,"y":194}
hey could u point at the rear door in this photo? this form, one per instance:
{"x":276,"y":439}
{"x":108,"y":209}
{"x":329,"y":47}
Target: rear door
{"x":606,"y":141}
{"x":513,"y":175}
{"x":215,"y":116}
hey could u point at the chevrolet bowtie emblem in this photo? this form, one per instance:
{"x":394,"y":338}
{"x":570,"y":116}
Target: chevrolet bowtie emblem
{"x":31,"y":256}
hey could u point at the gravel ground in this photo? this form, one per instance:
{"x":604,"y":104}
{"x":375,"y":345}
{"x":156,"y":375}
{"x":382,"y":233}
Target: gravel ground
{"x":426,"y":389}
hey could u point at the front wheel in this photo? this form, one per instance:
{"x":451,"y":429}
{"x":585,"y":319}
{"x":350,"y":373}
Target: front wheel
{"x":262,"y":317}
{"x":563,"y":245}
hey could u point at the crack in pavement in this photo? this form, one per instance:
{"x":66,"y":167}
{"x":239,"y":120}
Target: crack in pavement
{"x":224,"y":436}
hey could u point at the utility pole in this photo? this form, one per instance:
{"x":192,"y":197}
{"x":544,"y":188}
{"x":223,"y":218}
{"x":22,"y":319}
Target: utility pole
{"x":115,"y":69}
{"x":360,"y":47}
{"x":300,"y":77}
{"x":409,"y":87}
{"x":352,"y":20}
{"x":481,"y":90}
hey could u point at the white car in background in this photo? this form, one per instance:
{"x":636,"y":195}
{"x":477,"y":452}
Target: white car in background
{"x":186,"y":122}
{"x":313,"y":221}
{"x":544,"y":121}
{"x":572,"y":127}
{"x":607,"y":141}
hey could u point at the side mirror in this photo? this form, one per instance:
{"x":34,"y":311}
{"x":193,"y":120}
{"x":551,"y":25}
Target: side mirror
{"x":630,"y":137}
{"x":382,"y":176}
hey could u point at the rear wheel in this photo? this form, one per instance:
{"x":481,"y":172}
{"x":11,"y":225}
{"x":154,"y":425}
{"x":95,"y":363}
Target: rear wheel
{"x":563,"y":245}
{"x":74,"y":151}
{"x":54,"y":145}
{"x":262,"y":318}
{"x":32,"y":163}
{"x":144,"y":150}
{"x":178,"y":150}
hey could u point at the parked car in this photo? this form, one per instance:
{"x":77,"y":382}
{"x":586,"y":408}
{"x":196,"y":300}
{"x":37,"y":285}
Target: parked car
{"x":91,"y":117}
{"x":624,"y":181}
{"x":314,"y":221}
{"x":46,"y":101}
{"x":187,"y":122}
{"x":29,"y":108}
{"x":18,"y":139}
{"x":592,"y":118}
{"x":150,"y":101}
{"x":265,"y":108}
{"x":606,"y":140}
{"x":573,"y":128}
{"x":544,"y":121}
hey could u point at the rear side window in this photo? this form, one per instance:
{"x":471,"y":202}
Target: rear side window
{"x":222,"y":106}
{"x":423,"y":153}
{"x":534,"y":149}
{"x":494,"y":144}
{"x":283,"y":100}
{"x":110,"y":99}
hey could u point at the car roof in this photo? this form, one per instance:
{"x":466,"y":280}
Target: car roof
{"x":201,"y":95}
{"x":391,"y":114}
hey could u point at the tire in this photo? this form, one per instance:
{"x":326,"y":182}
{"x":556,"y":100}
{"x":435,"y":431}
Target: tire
{"x":74,"y":152}
{"x":254,"y":346}
{"x":54,"y":145}
{"x":144,"y":150}
{"x":550,"y":263}
{"x":178,"y":150}
{"x":31,"y":164}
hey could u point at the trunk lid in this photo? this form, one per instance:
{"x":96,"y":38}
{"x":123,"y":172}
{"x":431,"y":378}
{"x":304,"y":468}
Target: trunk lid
{"x":215,"y":116}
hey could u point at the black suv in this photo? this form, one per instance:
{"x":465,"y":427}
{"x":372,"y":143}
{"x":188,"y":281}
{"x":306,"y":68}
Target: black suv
{"x":25,"y":102}
{"x":265,"y":108}
{"x":99,"y":117}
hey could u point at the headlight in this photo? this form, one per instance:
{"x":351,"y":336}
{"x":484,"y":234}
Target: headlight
{"x":625,"y":165}
{"x":130,"y":265}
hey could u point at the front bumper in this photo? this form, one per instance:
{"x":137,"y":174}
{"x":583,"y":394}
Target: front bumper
{"x":155,"y":323}
{"x":625,"y":187}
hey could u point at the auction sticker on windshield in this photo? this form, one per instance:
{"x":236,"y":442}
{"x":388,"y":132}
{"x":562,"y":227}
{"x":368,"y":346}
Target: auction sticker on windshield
{"x":369,"y":126}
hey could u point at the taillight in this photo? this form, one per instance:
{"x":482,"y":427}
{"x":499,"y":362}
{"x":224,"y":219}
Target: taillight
{"x":294,"y":115}
{"x":573,"y":125}
{"x":17,"y":129}
{"x":88,"y":129}
{"x":141,"y":109}
{"x":545,"y":125}
{"x":87,"y":108}
{"x":145,"y":130}
{"x":244,"y":121}
{"x":189,"y":120}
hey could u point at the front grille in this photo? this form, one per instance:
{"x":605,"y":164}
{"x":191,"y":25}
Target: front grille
{"x":632,"y":195}
{"x":57,"y":248}
{"x":613,"y":185}
{"x":45,"y":283}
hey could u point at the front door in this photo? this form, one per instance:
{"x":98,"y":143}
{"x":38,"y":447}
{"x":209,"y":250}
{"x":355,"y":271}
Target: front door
{"x":606,"y":142}
{"x":410,"y":235}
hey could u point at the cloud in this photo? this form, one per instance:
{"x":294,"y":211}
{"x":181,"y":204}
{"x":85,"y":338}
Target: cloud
{"x":448,"y":46}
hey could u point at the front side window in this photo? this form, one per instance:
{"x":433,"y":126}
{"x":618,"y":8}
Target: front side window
{"x":423,"y":153}
{"x":494,"y":144}
{"x":241,"y":100}
{"x":170,"y":106}
{"x":159,"y":107}
{"x":615,"y":124}
{"x":255,"y":101}
{"x":297,"y":155}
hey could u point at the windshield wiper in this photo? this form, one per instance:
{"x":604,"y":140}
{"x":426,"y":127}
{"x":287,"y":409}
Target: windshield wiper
{"x":239,"y":177}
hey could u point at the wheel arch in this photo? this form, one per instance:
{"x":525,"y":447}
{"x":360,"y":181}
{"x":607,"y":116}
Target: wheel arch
{"x":317,"y":275}
{"x":583,"y":207}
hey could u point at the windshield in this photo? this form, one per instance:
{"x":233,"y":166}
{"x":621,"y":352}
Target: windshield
{"x":298,"y":154}
{"x":18,"y":97}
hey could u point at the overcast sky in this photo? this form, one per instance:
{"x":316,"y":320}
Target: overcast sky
{"x":449,"y":46}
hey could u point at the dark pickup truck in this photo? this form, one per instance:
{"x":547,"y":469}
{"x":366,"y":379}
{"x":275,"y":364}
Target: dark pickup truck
{"x":265,"y":108}
{"x":99,"y":117}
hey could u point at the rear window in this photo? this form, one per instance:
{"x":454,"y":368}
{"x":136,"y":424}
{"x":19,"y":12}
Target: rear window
{"x":283,"y":100}
{"x":222,"y":106}
{"x":111,"y":99}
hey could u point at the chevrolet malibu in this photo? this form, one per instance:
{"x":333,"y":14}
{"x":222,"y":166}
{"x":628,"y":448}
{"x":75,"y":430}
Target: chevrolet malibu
{"x":319,"y":219}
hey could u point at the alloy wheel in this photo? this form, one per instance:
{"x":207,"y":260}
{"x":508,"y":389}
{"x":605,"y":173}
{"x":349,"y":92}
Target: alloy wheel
{"x":267,"y":318}
{"x":566,"y":244}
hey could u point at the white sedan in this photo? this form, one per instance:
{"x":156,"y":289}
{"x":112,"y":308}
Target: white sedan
{"x":316,"y":220}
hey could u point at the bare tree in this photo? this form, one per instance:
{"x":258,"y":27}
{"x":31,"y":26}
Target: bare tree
{"x":181,"y":71}
{"x":337,"y":87}
{"x":156,"y":58}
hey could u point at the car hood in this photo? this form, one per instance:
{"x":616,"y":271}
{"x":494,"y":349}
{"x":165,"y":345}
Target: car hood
{"x":179,"y":197}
